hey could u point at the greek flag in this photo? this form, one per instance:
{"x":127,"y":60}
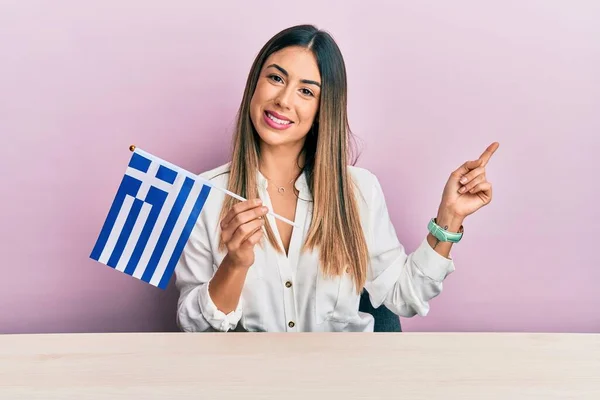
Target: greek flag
{"x":151,"y":218}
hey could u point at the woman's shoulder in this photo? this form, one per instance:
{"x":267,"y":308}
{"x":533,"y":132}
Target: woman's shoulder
{"x":218,"y":175}
{"x":365,"y":180}
{"x":361,"y":174}
{"x":363,"y":177}
{"x":209,"y":218}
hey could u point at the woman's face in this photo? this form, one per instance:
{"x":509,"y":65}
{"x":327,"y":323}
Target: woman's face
{"x":286,"y":99}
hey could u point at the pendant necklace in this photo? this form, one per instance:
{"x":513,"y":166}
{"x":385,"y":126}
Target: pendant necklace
{"x":280,"y":189}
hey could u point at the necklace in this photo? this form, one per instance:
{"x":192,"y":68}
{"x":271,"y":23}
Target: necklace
{"x":280,"y":189}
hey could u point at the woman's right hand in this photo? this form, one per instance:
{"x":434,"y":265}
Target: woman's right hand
{"x":241,"y":230}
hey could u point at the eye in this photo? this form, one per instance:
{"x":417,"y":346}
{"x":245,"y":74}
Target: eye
{"x":275,"y":78}
{"x":307,"y":92}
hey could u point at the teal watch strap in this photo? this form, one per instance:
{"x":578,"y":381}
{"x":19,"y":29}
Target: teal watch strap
{"x":443,"y":235}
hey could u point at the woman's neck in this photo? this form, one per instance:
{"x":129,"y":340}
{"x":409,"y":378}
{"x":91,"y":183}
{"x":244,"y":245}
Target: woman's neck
{"x":280,"y":164}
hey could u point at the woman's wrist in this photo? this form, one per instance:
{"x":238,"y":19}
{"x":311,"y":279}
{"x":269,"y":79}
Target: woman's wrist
{"x":231,"y":264}
{"x":449,"y":221}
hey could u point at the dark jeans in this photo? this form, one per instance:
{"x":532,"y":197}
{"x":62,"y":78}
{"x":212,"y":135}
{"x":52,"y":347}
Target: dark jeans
{"x":385,"y":320}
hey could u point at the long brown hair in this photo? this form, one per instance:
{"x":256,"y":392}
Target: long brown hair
{"x":335,"y":228}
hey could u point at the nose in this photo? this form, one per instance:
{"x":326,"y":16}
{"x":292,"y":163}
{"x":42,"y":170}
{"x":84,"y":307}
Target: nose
{"x":283,"y":98}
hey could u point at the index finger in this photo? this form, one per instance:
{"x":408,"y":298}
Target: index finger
{"x":488,"y":153}
{"x":238,"y":208}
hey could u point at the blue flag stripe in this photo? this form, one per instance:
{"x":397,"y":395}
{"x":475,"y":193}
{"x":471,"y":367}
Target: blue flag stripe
{"x":125,"y":233}
{"x":157,"y":198}
{"x":168,"y":229}
{"x":185,"y":235}
{"x":128,"y":186}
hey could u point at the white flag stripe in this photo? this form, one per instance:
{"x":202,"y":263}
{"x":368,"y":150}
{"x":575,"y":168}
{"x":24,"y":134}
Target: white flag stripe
{"x":149,"y":179}
{"x":158,"y":227}
{"x":134,"y":237}
{"x":179,"y":170}
{"x":116,"y":230}
{"x":176,"y":234}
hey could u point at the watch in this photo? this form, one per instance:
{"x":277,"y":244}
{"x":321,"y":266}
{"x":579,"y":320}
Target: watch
{"x":442,"y":234}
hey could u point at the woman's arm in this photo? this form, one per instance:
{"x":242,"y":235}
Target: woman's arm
{"x":226,"y":286}
{"x":196,"y":312}
{"x":405,"y":283}
{"x":210,"y":299}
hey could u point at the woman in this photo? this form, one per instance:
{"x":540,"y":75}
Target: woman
{"x":242,"y":269}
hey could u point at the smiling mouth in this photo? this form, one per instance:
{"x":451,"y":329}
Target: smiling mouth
{"x":278,"y":121}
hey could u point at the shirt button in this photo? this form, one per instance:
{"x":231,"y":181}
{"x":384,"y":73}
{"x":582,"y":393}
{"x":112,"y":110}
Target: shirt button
{"x":288,"y":284}
{"x":291,"y":324}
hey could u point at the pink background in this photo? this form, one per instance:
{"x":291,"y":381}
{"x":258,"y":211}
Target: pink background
{"x":431,"y":85}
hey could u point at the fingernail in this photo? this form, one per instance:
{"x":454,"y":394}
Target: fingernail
{"x":258,"y":202}
{"x":463,"y":180}
{"x":462,"y":189}
{"x":264,"y":209}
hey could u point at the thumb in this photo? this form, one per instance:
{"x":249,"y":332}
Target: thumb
{"x":469,"y":166}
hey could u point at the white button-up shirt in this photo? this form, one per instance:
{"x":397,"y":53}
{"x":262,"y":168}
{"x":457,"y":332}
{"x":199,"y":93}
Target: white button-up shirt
{"x":289,"y":292}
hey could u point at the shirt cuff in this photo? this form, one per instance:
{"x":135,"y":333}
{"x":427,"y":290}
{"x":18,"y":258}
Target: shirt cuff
{"x":431,"y":263}
{"x":379,"y":287}
{"x":215,"y":317}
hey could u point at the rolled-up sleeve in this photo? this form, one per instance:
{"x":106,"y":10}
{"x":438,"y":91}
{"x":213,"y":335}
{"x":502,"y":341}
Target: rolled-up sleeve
{"x":405,"y":283}
{"x":196,"y":312}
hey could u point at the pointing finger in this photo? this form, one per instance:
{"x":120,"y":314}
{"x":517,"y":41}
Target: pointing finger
{"x":488,"y":153}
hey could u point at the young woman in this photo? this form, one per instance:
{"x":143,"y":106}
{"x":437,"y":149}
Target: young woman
{"x":243,"y":269}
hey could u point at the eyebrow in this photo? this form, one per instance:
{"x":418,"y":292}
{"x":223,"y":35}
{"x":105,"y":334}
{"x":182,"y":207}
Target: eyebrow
{"x":284,"y":72}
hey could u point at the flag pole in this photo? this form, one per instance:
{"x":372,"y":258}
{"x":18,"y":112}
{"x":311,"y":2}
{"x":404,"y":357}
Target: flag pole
{"x":240,"y":198}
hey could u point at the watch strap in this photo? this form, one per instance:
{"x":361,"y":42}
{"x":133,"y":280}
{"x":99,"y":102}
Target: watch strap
{"x":442,"y":234}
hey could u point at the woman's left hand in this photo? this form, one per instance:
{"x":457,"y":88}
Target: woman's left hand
{"x":467,"y":189}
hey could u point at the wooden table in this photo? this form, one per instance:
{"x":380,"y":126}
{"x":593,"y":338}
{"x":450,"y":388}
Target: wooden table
{"x":300,"y":366}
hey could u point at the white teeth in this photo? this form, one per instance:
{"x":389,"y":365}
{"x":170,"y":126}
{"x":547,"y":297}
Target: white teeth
{"x":277,"y":120}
